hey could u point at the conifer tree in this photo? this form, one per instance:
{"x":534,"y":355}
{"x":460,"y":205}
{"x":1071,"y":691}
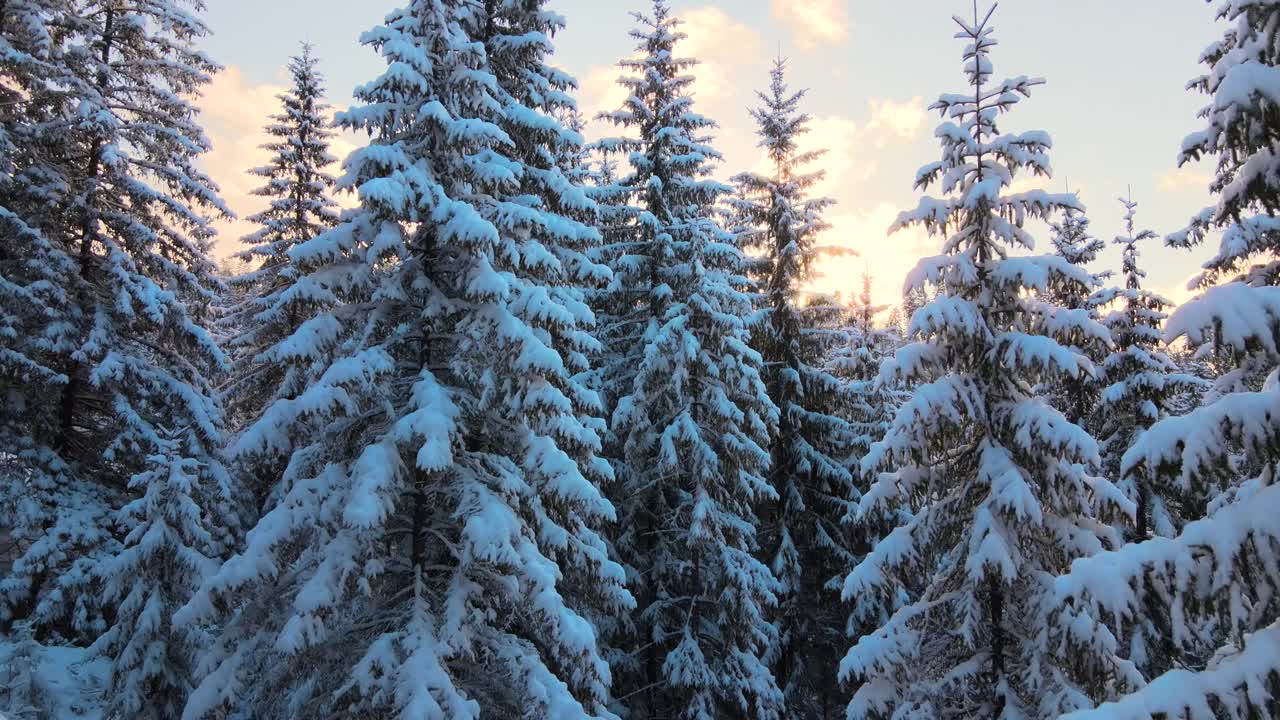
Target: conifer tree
{"x":987,"y":485}
{"x":1077,"y":398}
{"x":433,"y":550}
{"x":33,"y":305}
{"x":806,"y":544}
{"x":1212,"y":590}
{"x":1140,"y":381}
{"x":691,"y":415}
{"x":167,"y":553}
{"x":857,"y":360}
{"x":275,"y":297}
{"x":125,"y":243}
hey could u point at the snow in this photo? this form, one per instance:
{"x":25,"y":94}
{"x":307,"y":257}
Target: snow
{"x":69,"y":680}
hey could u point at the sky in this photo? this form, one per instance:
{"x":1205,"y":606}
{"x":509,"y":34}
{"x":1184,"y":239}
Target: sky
{"x":1115,"y":101}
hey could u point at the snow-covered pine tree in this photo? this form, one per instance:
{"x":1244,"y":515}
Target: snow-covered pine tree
{"x":1218,"y":581}
{"x":1077,"y":397}
{"x":167,"y":554}
{"x":804,"y":540}
{"x":433,"y":550}
{"x":35,"y":329}
{"x":865,"y":346}
{"x":994,"y":482}
{"x":1139,"y":382}
{"x":32,"y":301}
{"x":26,"y":695}
{"x":691,"y":413}
{"x":129,"y":246}
{"x":275,"y":297}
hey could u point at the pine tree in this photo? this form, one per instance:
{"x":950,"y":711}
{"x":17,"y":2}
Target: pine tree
{"x":433,"y":550}
{"x":275,"y":297}
{"x":1140,"y":382}
{"x":1077,"y":397}
{"x":126,"y":244}
{"x":168,"y":552}
{"x":32,"y":300}
{"x":857,"y":360}
{"x":806,"y":544}
{"x":691,"y":415}
{"x":988,"y":485}
{"x":1213,"y":587}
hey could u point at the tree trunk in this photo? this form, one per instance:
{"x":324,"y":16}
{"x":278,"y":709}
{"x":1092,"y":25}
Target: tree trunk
{"x":88,"y":234}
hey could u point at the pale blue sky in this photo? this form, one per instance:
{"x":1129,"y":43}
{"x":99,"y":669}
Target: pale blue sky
{"x":1115,"y":102}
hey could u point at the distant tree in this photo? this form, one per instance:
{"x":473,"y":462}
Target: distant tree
{"x":807,"y":545}
{"x":1077,"y":397}
{"x":275,"y":297}
{"x":1139,"y":383}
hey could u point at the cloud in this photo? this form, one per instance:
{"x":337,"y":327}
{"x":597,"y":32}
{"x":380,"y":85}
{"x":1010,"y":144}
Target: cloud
{"x":900,"y":120}
{"x":814,"y":22}
{"x":1185,"y":177}
{"x":1180,"y":292}
{"x":234,"y":112}
{"x":887,"y":258}
{"x":723,"y":48}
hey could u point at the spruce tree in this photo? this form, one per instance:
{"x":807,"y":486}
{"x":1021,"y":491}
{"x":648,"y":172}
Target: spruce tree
{"x":168,"y":552}
{"x":126,"y":240}
{"x":1211,"y":591}
{"x":33,"y":304}
{"x":272,"y":304}
{"x":433,"y":549}
{"x":865,"y":346}
{"x":275,"y":297}
{"x":1077,"y":397}
{"x":1139,"y":380}
{"x":986,"y":485}
{"x":691,"y":415}
{"x":805,"y":542}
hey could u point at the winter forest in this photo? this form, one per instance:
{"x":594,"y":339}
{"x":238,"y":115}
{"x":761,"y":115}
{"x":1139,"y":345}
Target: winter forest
{"x":494,"y":419}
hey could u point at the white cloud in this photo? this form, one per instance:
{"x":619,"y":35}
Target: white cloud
{"x":887,"y":258}
{"x":723,"y":48}
{"x":1183,"y":178}
{"x":814,"y":22}
{"x":234,"y":111}
{"x":901,"y":120}
{"x":1181,"y":291}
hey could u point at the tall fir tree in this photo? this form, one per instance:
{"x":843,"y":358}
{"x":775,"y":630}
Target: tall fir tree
{"x":691,"y":414}
{"x":275,"y":296}
{"x":125,"y":240}
{"x":805,"y":542}
{"x":433,"y":549}
{"x":1214,"y":587}
{"x":988,"y":484}
{"x":33,"y":303}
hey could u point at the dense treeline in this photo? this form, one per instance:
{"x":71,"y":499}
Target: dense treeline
{"x":548,"y":428}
